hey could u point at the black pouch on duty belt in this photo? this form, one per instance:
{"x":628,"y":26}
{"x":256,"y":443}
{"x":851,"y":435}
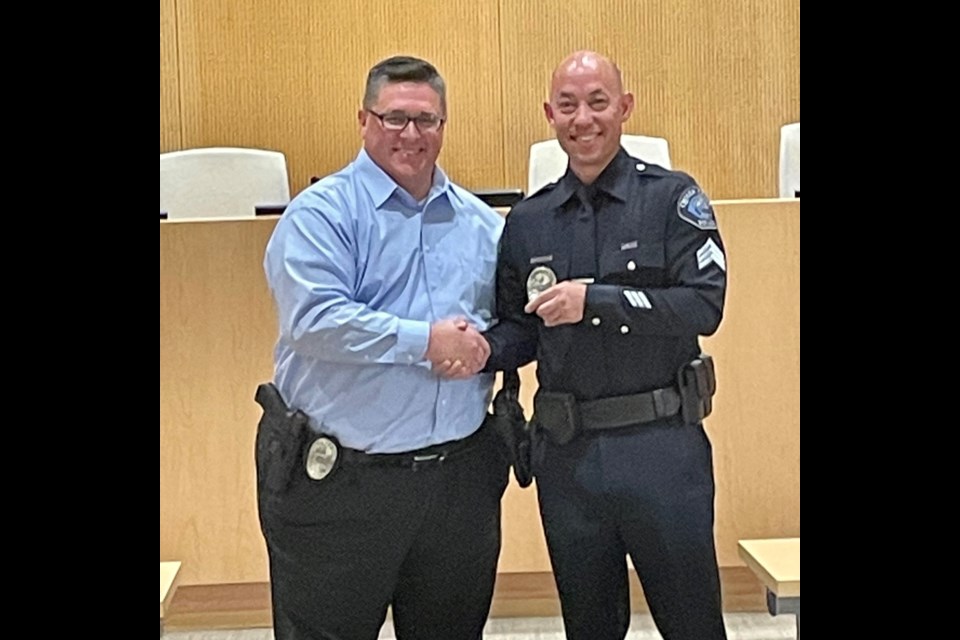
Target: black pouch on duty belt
{"x":556,"y":415}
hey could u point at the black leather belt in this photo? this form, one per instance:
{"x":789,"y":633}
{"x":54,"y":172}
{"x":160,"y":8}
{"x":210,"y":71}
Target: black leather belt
{"x":622,"y":411}
{"x":432,"y":455}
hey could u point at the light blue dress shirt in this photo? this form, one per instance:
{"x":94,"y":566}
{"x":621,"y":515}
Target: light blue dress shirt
{"x":359,"y":270}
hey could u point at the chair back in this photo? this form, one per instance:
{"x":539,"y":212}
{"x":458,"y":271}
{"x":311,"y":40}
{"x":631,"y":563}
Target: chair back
{"x":790,"y":160}
{"x":548,"y":162}
{"x":221,"y":182}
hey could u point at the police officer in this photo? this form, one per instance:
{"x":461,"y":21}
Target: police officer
{"x":607,"y":278}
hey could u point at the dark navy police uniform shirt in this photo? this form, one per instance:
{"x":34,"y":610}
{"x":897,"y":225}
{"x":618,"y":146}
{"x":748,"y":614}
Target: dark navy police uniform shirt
{"x":646,"y":240}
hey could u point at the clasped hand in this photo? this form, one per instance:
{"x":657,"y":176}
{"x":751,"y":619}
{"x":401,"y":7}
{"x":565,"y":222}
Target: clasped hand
{"x":456,"y":349}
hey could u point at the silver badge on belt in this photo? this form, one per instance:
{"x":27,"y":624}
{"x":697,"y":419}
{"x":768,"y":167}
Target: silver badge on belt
{"x":539,"y":280}
{"x":321,"y":458}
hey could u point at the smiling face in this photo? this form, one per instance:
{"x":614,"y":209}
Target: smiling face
{"x":587,"y":109}
{"x":409,"y":155}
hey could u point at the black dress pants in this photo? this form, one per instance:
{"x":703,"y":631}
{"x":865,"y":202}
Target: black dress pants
{"x":646,"y":491}
{"x":425,"y":540}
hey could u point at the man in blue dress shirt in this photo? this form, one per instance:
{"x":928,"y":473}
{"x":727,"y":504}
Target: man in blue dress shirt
{"x":379,"y":272}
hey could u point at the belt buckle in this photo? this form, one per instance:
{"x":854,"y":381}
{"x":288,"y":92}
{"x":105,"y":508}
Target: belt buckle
{"x":420,"y":460}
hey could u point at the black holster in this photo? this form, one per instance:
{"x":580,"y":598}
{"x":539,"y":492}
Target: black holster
{"x":508,"y":420}
{"x":280,"y":439}
{"x":557,"y":415}
{"x":697,"y":382}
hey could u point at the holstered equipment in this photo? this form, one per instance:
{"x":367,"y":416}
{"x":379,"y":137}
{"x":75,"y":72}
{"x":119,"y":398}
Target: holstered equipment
{"x":697,"y":381}
{"x":561,"y":416}
{"x":280,"y":439}
{"x":509,"y":422}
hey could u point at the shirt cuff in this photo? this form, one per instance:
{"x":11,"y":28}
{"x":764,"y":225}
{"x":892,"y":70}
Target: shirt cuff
{"x":413,"y":336}
{"x":601,"y":297}
{"x":594,"y":298}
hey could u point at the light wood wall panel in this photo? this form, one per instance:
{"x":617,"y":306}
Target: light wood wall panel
{"x":716,"y":79}
{"x":289,"y":75}
{"x":218,"y":328}
{"x":169,"y":78}
{"x":755,"y":428}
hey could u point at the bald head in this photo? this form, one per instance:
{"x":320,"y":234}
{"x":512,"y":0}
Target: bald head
{"x":583,"y":62}
{"x":587,"y":109}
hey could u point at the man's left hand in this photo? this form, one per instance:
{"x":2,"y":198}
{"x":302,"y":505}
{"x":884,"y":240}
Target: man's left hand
{"x":563,"y":303}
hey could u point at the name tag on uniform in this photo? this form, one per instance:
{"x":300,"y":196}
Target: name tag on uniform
{"x":541,"y":259}
{"x":628,"y":245}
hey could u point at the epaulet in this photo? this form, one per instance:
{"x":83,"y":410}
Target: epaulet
{"x":545,"y":189}
{"x":533,"y":201}
{"x":651,"y":170}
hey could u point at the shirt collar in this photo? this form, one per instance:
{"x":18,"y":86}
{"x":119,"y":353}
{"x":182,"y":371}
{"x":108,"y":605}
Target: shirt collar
{"x":381,"y":186}
{"x":611,"y":180}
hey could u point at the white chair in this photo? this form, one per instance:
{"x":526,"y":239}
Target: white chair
{"x":221,"y":182}
{"x":790,"y":160}
{"x":548,"y":162}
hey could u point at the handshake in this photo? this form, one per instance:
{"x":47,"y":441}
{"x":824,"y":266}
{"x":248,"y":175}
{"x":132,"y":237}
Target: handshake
{"x":456,"y":349}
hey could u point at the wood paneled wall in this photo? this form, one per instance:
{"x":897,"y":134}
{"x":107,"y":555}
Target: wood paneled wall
{"x":716,"y":79}
{"x":217,"y":331}
{"x":755,"y":427}
{"x":169,"y":79}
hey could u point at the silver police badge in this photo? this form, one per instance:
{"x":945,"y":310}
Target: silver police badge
{"x":321,"y":458}
{"x":539,"y":280}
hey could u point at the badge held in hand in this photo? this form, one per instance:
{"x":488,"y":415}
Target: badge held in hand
{"x":539,"y":280}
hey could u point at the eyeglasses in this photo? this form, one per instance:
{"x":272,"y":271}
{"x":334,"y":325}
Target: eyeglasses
{"x":398,"y":121}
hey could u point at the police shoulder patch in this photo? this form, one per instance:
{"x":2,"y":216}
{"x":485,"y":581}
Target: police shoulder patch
{"x":694,"y":207}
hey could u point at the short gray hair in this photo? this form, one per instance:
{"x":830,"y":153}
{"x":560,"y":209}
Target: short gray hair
{"x":403,"y":69}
